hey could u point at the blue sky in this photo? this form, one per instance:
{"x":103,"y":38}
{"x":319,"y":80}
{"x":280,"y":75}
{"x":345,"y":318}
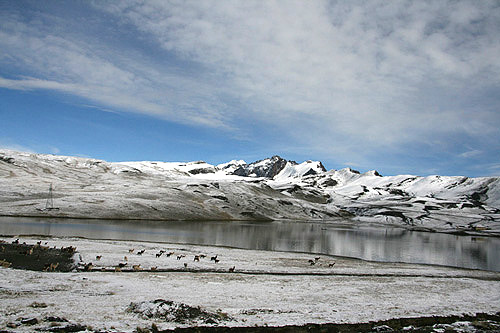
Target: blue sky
{"x":404,"y":87}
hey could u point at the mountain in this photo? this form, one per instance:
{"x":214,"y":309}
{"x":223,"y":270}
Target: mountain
{"x":269,"y":189}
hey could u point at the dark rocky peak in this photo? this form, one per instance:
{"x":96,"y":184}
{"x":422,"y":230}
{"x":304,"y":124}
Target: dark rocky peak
{"x":267,"y":168}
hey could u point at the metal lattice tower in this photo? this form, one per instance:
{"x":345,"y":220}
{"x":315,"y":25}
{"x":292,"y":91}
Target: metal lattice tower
{"x":50,"y":199}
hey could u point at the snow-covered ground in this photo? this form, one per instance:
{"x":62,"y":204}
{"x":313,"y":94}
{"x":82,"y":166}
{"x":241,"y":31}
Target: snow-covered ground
{"x":270,"y":189}
{"x":273,"y":288}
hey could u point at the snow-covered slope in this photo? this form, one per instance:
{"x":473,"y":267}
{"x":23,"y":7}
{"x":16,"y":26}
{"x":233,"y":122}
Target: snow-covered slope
{"x":269,"y":189}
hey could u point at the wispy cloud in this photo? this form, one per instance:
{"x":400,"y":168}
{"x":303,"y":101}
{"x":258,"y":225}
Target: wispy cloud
{"x":352,"y":70}
{"x":339,"y":78}
{"x":15,"y":147}
{"x":470,"y":153}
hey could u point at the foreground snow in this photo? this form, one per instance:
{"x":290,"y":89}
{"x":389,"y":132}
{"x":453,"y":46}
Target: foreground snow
{"x":271,"y":189}
{"x":273,"y":288}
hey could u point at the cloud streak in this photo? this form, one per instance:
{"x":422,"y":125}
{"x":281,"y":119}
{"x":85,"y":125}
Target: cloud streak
{"x":348,"y":78}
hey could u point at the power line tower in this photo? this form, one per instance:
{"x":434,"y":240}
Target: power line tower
{"x":50,"y":199}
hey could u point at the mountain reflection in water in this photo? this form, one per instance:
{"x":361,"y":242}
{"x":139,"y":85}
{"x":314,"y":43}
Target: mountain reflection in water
{"x":341,"y":239}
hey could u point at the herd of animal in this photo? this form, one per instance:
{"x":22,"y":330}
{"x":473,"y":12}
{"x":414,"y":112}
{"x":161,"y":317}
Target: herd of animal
{"x":137,"y":267}
{"x":124,"y":265}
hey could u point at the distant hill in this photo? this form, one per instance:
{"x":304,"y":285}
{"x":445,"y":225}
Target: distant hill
{"x":269,"y":189}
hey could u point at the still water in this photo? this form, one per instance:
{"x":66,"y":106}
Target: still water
{"x":341,"y":239}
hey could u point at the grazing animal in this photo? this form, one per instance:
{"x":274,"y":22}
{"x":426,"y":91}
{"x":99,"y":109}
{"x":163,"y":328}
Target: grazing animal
{"x":139,"y":253}
{"x":179,"y":257}
{"x":154,"y":268}
{"x":16,"y":241}
{"x":312,"y":262}
{"x":136,"y":267}
{"x":331,"y":264}
{"x":196,"y":258}
{"x":98,"y":257}
{"x":169,"y":254}
{"x":69,"y":249}
{"x":185,"y":265}
{"x":39,"y":243}
{"x":118,"y":269}
{"x":88,"y":267}
{"x":158,"y":255}
{"x":231,"y":269}
{"x":121,"y":265}
{"x":214,"y":258}
{"x":317,"y":258}
{"x":131,"y":250}
{"x":5,"y":263}
{"x":202,"y":256}
{"x":125,"y":258}
{"x":162,"y":251}
{"x":216,"y":261}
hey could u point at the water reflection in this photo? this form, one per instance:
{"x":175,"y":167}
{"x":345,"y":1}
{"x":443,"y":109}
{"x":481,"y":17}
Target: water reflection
{"x":343,"y":239}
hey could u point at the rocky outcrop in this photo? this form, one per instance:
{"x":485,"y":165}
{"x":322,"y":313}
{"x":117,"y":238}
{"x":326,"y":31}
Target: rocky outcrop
{"x":267,"y":168}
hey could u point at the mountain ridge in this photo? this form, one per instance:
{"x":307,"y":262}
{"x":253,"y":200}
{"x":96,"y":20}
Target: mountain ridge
{"x":268,"y":189}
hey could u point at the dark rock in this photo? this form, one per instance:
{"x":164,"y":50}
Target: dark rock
{"x":220,"y":197}
{"x":6,"y":159}
{"x":267,"y":168}
{"x":310,"y":172}
{"x":55,"y":319}
{"x":396,"y":191}
{"x":201,"y":170}
{"x":29,"y":321}
{"x":68,"y":328}
{"x":175,"y":312}
{"x":395,"y":214}
{"x":38,"y":305}
{"x":329,"y":182}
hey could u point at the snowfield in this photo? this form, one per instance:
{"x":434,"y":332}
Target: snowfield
{"x":265,"y":288}
{"x":270,"y":189}
{"x":120,"y":286}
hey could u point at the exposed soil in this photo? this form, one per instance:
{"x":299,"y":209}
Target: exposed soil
{"x":481,"y":322}
{"x":36,"y":257}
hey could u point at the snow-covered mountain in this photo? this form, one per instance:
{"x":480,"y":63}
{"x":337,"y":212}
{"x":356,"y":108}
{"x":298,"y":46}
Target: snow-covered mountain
{"x":268,"y":189}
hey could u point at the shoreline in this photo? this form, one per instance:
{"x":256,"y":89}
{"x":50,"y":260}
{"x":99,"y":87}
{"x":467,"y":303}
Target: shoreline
{"x":239,"y":248}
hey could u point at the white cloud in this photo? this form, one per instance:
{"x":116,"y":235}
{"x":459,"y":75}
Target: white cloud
{"x":16,"y":147}
{"x":354,"y":68}
{"x":103,"y":75}
{"x":342,"y":77}
{"x":470,"y":153}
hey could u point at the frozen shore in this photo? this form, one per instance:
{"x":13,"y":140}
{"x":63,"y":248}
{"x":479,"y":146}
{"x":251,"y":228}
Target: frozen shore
{"x":265,"y":288}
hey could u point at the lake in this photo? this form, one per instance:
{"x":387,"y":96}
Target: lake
{"x":368,"y":242}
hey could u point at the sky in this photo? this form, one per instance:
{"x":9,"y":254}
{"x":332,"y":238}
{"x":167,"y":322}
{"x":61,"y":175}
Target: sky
{"x":403,"y":87}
